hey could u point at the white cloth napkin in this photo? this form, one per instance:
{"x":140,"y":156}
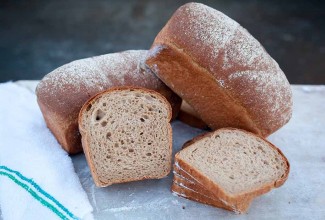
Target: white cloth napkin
{"x":37,"y":178}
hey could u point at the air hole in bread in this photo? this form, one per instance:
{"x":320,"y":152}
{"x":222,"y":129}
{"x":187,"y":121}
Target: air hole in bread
{"x":116,"y":145}
{"x":104,"y":104}
{"x":141,"y":133}
{"x":148,"y":97}
{"x":142,"y":119}
{"x":99,"y":114}
{"x":131,"y":150}
{"x":108,"y":135}
{"x":103,"y":123}
{"x":145,"y":116}
{"x":148,"y":154}
{"x":261,"y":149}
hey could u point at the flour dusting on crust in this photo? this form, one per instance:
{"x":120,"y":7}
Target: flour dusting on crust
{"x":81,"y":79}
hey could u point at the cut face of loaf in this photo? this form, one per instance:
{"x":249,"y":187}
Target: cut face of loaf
{"x":234,"y":165}
{"x":221,"y":71}
{"x":62,"y":93}
{"x":126,"y":135}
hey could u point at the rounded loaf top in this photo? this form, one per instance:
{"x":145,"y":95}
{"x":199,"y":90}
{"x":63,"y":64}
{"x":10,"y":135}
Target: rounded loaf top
{"x":235,"y":59}
{"x":66,"y":88}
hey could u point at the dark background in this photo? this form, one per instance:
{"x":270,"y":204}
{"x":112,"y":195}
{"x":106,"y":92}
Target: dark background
{"x":39,"y":36}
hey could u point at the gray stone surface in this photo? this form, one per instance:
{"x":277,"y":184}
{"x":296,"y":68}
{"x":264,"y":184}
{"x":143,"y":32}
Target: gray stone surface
{"x":39,"y":36}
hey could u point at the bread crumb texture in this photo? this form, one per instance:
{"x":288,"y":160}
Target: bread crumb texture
{"x":128,"y":135}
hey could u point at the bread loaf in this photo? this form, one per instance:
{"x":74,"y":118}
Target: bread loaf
{"x":62,"y":92}
{"x":220,"y":70}
{"x":126,"y":135}
{"x":235,"y":166}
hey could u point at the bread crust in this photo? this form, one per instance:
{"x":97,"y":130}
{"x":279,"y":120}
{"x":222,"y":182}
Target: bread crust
{"x":192,"y":195}
{"x":229,"y":82}
{"x":218,"y":192}
{"x":85,"y":138}
{"x":188,"y":116}
{"x":188,"y":181}
{"x":62,"y":92}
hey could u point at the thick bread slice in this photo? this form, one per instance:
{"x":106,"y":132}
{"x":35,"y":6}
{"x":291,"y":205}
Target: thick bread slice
{"x":183,"y":179}
{"x":126,"y":135}
{"x":62,"y":92}
{"x":192,"y":195}
{"x":234,"y":165}
{"x":221,"y":71}
{"x":188,"y":116}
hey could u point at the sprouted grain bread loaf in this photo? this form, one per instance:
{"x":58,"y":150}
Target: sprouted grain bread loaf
{"x":126,"y":135}
{"x":221,"y":71}
{"x":62,"y":92}
{"x":234,"y":165}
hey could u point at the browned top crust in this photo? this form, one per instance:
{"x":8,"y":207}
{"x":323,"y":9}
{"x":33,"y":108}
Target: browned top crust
{"x":66,"y":88}
{"x":236,"y":60}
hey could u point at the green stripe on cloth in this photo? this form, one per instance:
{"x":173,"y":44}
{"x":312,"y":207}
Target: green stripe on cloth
{"x":19,"y":179}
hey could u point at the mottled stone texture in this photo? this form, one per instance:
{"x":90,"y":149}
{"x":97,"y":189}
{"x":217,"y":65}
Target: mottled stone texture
{"x":38,"y":36}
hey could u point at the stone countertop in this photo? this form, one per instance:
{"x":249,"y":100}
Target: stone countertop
{"x":302,"y":140}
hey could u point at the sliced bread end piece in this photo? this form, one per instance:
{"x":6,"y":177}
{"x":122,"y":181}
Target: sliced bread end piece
{"x":234,"y":164}
{"x":126,"y":135}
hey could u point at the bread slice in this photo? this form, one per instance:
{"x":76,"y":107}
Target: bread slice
{"x":126,"y":135}
{"x":188,"y":116}
{"x":234,"y":165}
